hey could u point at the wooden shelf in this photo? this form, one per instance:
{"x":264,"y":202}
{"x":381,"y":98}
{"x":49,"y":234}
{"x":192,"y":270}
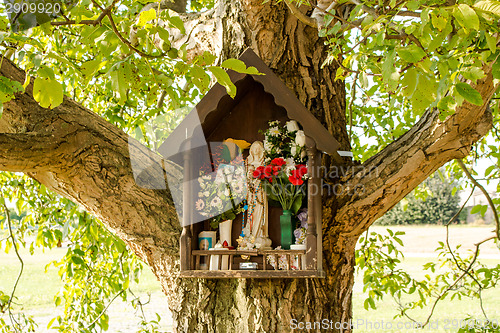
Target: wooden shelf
{"x":250,"y":274}
{"x":247,"y":252}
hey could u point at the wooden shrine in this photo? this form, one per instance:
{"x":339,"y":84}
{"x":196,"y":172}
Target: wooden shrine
{"x":259,"y":99}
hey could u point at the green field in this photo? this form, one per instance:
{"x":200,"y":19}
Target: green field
{"x":37,"y":288}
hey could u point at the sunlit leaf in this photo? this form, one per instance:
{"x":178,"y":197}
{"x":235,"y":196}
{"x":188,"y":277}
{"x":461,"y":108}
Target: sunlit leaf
{"x":48,"y":92}
{"x":470,"y":94}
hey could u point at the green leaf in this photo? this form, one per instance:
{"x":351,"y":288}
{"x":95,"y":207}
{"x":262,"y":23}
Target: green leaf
{"x":390,"y":74}
{"x":438,"y":21}
{"x":271,"y":193}
{"x":47,"y":92}
{"x":369,"y":303}
{"x":92,"y":66}
{"x":121,"y":77}
{"x":240,"y":67}
{"x":491,"y":41}
{"x":425,"y":93}
{"x":489,"y":6}
{"x":177,"y":22}
{"x":471,"y":20}
{"x":489,"y":170}
{"x":77,"y":260}
{"x":409,"y":82}
{"x":475,"y":209}
{"x":473,"y":73}
{"x":495,"y":70}
{"x":470,"y":94}
{"x":224,"y":80}
{"x":411,"y":53}
{"x":200,"y":78}
{"x":297,"y":203}
{"x":146,"y":16}
{"x":484,"y":208}
{"x":445,"y":103}
{"x":8,"y":88}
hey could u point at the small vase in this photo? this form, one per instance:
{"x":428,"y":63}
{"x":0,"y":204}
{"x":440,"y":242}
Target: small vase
{"x":295,"y":261}
{"x":286,"y":229}
{"x":225,"y":231}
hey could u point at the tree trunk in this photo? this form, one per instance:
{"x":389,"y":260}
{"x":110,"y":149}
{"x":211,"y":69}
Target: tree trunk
{"x":82,"y":157}
{"x":295,"y":53}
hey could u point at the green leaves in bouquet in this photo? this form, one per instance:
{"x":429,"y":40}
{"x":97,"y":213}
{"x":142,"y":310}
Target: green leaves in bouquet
{"x":271,"y":191}
{"x":297,"y":203}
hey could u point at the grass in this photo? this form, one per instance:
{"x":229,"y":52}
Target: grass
{"x":419,"y":242}
{"x":446,"y":311}
{"x":37,"y":288}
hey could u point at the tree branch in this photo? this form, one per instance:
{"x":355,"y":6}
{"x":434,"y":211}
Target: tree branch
{"x":486,"y":194}
{"x":98,"y":20}
{"x":14,"y":244}
{"x":457,"y":280}
{"x":25,"y":152}
{"x":390,"y":175}
{"x":86,"y":159}
{"x":126,"y":42}
{"x":301,"y":16}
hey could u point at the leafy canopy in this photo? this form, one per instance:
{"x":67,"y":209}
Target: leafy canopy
{"x":399,"y":58}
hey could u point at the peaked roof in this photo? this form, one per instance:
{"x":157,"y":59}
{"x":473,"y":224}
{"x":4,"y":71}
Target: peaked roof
{"x":218,"y":99}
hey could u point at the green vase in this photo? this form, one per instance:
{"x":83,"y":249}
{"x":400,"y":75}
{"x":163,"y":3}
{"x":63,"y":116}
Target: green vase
{"x":286,"y":229}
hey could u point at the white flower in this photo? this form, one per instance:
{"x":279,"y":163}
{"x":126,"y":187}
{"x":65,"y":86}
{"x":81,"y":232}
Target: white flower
{"x":293,"y":150}
{"x":206,"y":193}
{"x":303,"y":154}
{"x":290,"y":165}
{"x":200,"y":204}
{"x":216,"y":202}
{"x":292,"y":126}
{"x":300,"y":138}
{"x":227,"y":192}
{"x":267,"y":145}
{"x":237,"y":188}
{"x":274,"y":131}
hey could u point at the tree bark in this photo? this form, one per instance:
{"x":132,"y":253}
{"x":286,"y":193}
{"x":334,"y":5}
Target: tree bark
{"x":82,"y":157}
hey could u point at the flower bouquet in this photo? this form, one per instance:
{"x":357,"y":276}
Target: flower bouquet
{"x":222,"y":193}
{"x":283,"y":182}
{"x":284,"y":174}
{"x":286,"y":141}
{"x":285,"y":170}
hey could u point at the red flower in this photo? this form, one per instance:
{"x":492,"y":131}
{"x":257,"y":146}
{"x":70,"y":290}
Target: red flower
{"x":278,"y":161}
{"x":276,"y":170}
{"x":268,"y":171}
{"x":259,"y":173}
{"x":301,"y":169}
{"x":294,"y":180}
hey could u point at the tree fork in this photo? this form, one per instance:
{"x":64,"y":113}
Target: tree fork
{"x":91,"y":167}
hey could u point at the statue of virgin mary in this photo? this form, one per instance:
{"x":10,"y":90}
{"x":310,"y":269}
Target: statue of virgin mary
{"x":256,"y":228}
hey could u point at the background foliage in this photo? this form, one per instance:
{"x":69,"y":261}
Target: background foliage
{"x":436,"y":201}
{"x":399,"y":58}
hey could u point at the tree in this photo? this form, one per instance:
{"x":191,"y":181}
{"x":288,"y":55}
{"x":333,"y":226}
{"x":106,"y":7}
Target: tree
{"x":424,"y":73}
{"x":434,"y":203}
